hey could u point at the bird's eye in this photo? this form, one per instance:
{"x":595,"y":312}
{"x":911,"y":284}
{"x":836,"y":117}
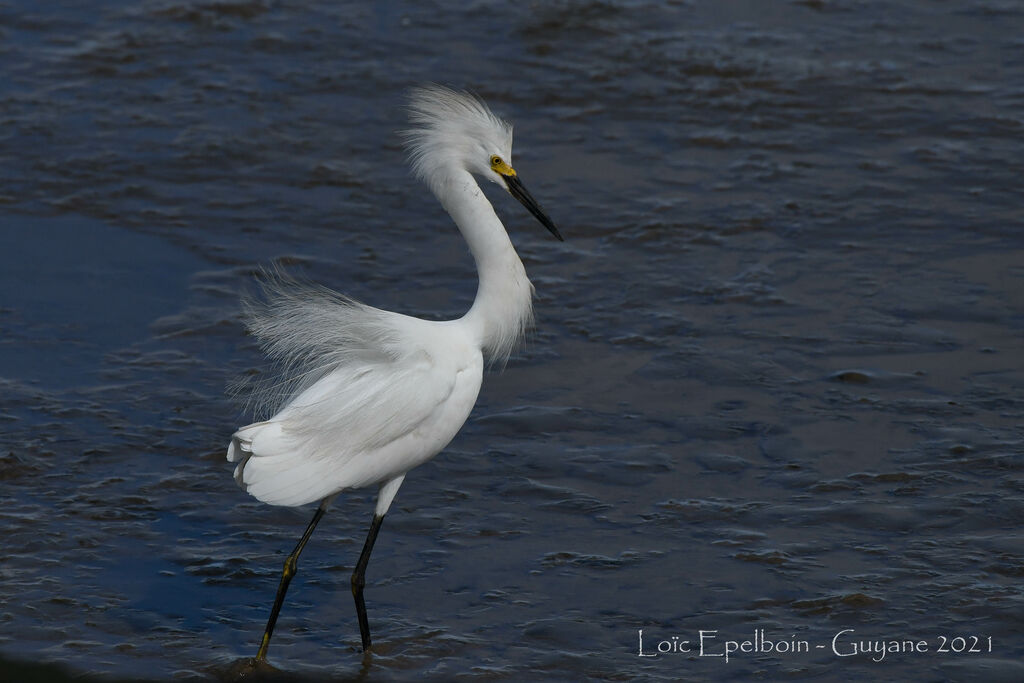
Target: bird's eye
{"x":496,"y":160}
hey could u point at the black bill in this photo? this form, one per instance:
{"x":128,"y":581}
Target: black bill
{"x":516,"y":189}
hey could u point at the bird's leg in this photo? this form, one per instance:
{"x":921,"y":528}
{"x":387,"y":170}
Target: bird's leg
{"x":290,"y":566}
{"x":359,"y":580}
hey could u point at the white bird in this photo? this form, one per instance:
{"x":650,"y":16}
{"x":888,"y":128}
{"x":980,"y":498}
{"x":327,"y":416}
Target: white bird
{"x":364,"y":395}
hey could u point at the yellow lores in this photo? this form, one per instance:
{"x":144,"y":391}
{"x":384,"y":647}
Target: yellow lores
{"x":499,"y":166}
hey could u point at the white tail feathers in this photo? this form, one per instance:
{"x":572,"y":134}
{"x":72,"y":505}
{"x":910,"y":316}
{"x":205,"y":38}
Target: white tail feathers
{"x":274,"y":471}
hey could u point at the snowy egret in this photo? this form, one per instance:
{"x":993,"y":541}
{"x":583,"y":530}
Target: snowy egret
{"x":363,"y":395}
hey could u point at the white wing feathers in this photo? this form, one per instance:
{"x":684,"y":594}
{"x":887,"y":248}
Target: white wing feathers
{"x":355,"y":385}
{"x":312,"y":448}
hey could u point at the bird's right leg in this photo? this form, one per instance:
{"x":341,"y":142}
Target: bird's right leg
{"x":290,"y":566}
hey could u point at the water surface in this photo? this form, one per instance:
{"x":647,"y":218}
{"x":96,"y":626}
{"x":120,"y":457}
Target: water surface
{"x":775,"y":386}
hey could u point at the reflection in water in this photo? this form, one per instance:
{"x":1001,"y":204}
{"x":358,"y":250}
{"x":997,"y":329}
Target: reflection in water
{"x":775,"y":384}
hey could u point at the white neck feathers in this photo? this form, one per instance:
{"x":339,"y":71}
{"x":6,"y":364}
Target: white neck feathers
{"x":503,"y":308}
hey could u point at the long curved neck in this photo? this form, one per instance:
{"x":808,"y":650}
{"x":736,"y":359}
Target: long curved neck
{"x":503,"y":309}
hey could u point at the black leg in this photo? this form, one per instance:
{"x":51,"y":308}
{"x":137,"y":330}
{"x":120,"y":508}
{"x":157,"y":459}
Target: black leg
{"x":290,"y":566}
{"x":359,"y":580}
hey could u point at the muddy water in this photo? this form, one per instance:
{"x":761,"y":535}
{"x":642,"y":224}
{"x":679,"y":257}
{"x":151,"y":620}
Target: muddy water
{"x":774,"y":399}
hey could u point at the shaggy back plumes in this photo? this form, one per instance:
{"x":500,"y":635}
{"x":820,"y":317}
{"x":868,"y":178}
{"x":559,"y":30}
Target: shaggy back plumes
{"x":307,"y":331}
{"x":452,"y":128}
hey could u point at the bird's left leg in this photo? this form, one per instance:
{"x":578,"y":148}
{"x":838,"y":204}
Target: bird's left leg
{"x":359,"y":579}
{"x":387,"y":494}
{"x":290,"y":567}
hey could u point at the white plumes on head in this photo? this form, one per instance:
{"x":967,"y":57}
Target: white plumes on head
{"x":453,"y":128}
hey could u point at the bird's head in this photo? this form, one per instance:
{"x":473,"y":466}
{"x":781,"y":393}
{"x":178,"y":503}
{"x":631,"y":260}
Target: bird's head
{"x":454,"y":130}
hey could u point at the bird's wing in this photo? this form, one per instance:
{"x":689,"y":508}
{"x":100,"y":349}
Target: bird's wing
{"x":351,"y":382}
{"x":362,"y":407}
{"x":354,"y":427}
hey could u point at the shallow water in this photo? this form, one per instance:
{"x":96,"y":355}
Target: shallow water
{"x":775,"y":388}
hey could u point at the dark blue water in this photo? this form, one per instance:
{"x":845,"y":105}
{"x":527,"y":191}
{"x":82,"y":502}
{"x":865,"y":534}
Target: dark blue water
{"x":774,"y":395}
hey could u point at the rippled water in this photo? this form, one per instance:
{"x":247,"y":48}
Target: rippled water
{"x":775,"y":389}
